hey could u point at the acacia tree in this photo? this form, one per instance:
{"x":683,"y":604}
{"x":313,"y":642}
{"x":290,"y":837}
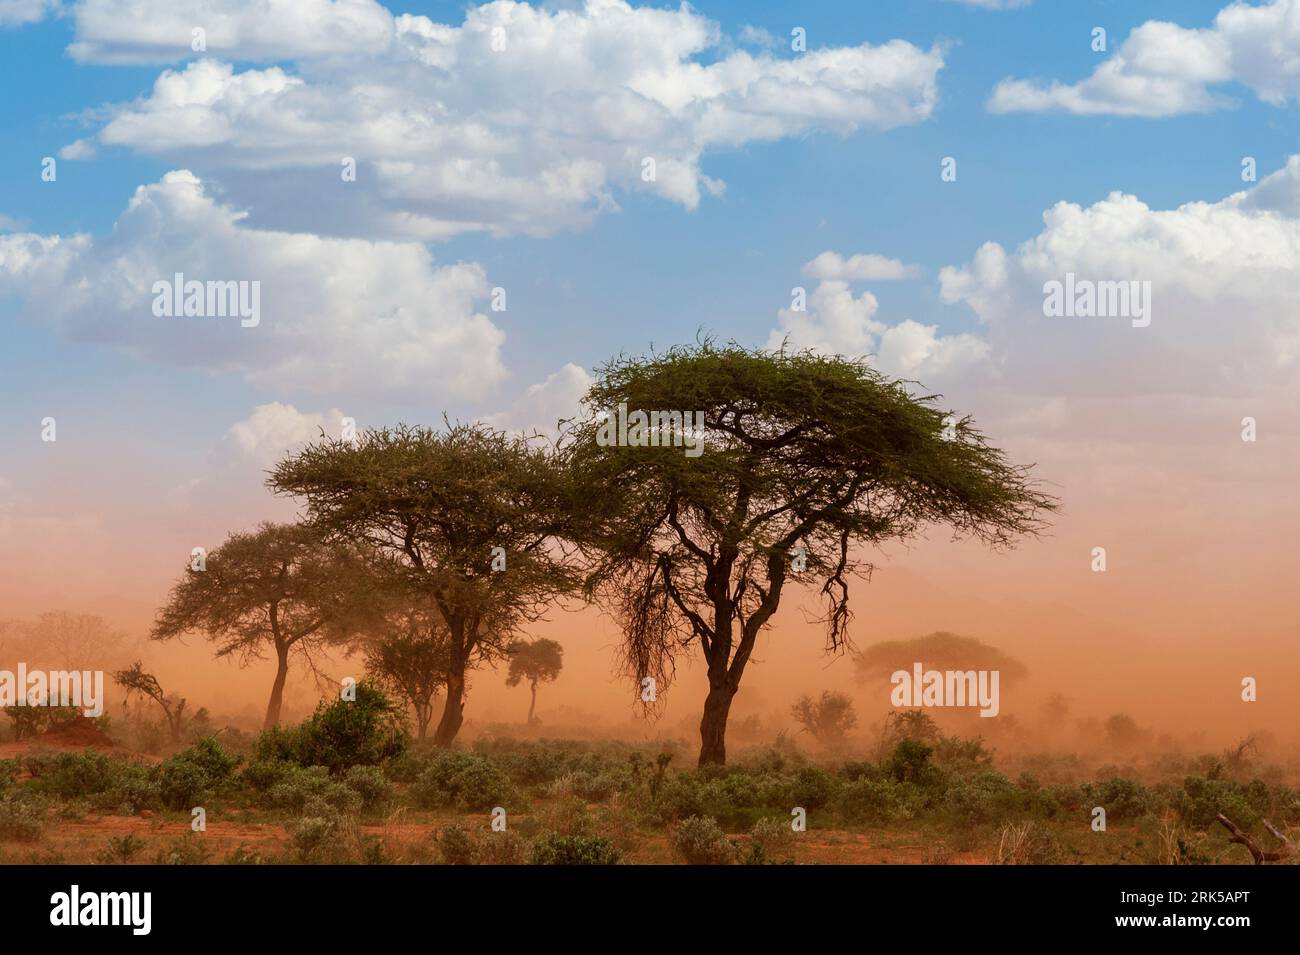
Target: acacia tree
{"x":828,"y":719}
{"x":471,"y":514}
{"x":135,"y":679}
{"x":804,"y":460}
{"x":536,"y":661}
{"x":410,"y":657}
{"x":282,"y":588}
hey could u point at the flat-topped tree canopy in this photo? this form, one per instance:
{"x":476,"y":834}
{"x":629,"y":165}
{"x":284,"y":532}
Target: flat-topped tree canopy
{"x":472,"y":517}
{"x":805,"y":459}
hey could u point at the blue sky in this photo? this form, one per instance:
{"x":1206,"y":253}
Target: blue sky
{"x":155,"y":415}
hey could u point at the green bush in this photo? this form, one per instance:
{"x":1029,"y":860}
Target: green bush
{"x":456,"y":846}
{"x":341,"y":733}
{"x":22,"y":819}
{"x":700,"y":841}
{"x":370,"y":783}
{"x":194,"y":776}
{"x":1123,"y":799}
{"x":311,"y":835}
{"x":501,"y":848}
{"x":555,"y":849}
{"x":303,"y":785}
{"x":459,"y":779}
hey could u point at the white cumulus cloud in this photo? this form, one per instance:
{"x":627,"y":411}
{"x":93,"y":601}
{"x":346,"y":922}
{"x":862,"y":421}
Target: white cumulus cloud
{"x":344,"y":315}
{"x":519,"y":120}
{"x":1163,"y":69}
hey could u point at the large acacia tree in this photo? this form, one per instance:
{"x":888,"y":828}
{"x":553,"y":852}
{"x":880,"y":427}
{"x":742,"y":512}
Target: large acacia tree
{"x":473,"y":516}
{"x":807,"y":461}
{"x":282,"y":589}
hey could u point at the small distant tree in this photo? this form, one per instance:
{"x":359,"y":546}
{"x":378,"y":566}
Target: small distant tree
{"x":283,"y":588}
{"x":134,"y":680}
{"x":1055,"y":710}
{"x":534,"y":662}
{"x":411,"y":660}
{"x":1122,"y":730}
{"x":828,"y":719}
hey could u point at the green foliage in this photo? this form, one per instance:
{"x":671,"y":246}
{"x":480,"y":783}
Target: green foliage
{"x":556,"y":849}
{"x":772,"y":836}
{"x":828,"y":719}
{"x":699,"y":840}
{"x":466,"y":780}
{"x":1123,"y":799}
{"x":910,"y":762}
{"x":194,"y":776}
{"x":311,"y":836}
{"x":1201,"y":800}
{"x":120,"y":850}
{"x":22,"y":819}
{"x":501,"y":848}
{"x":189,"y":849}
{"x":370,"y":783}
{"x":304,"y":788}
{"x":456,"y":846}
{"x":341,"y":734}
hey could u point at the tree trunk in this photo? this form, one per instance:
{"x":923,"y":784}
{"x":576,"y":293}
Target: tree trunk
{"x":453,"y":709}
{"x":423,"y":713}
{"x":532,"y":705}
{"x":713,"y":727}
{"x":277,"y":688}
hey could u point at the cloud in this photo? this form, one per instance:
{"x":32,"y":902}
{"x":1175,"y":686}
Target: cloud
{"x":1163,"y":69}
{"x":276,"y":428}
{"x":339,"y":315}
{"x":835,"y":321}
{"x":162,"y":31}
{"x":22,"y":12}
{"x":452,"y":135}
{"x":757,"y":36}
{"x":543,"y":405}
{"x":1223,"y":296}
{"x":995,"y":4}
{"x":859,"y":268}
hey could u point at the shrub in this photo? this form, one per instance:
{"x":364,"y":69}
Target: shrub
{"x":365,"y":731}
{"x":910,"y":762}
{"x":120,"y":850}
{"x":555,"y":849}
{"x":501,"y":848}
{"x":700,"y":841}
{"x":456,"y":846}
{"x":1027,"y":844}
{"x":310,"y":834}
{"x":986,"y":797}
{"x":371,"y":785}
{"x":193,"y":776}
{"x":21,"y":819}
{"x":772,"y":835}
{"x":1201,"y":800}
{"x":814,"y":788}
{"x":1123,"y":799}
{"x":187,"y":850}
{"x":303,"y":786}
{"x":462,"y":779}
